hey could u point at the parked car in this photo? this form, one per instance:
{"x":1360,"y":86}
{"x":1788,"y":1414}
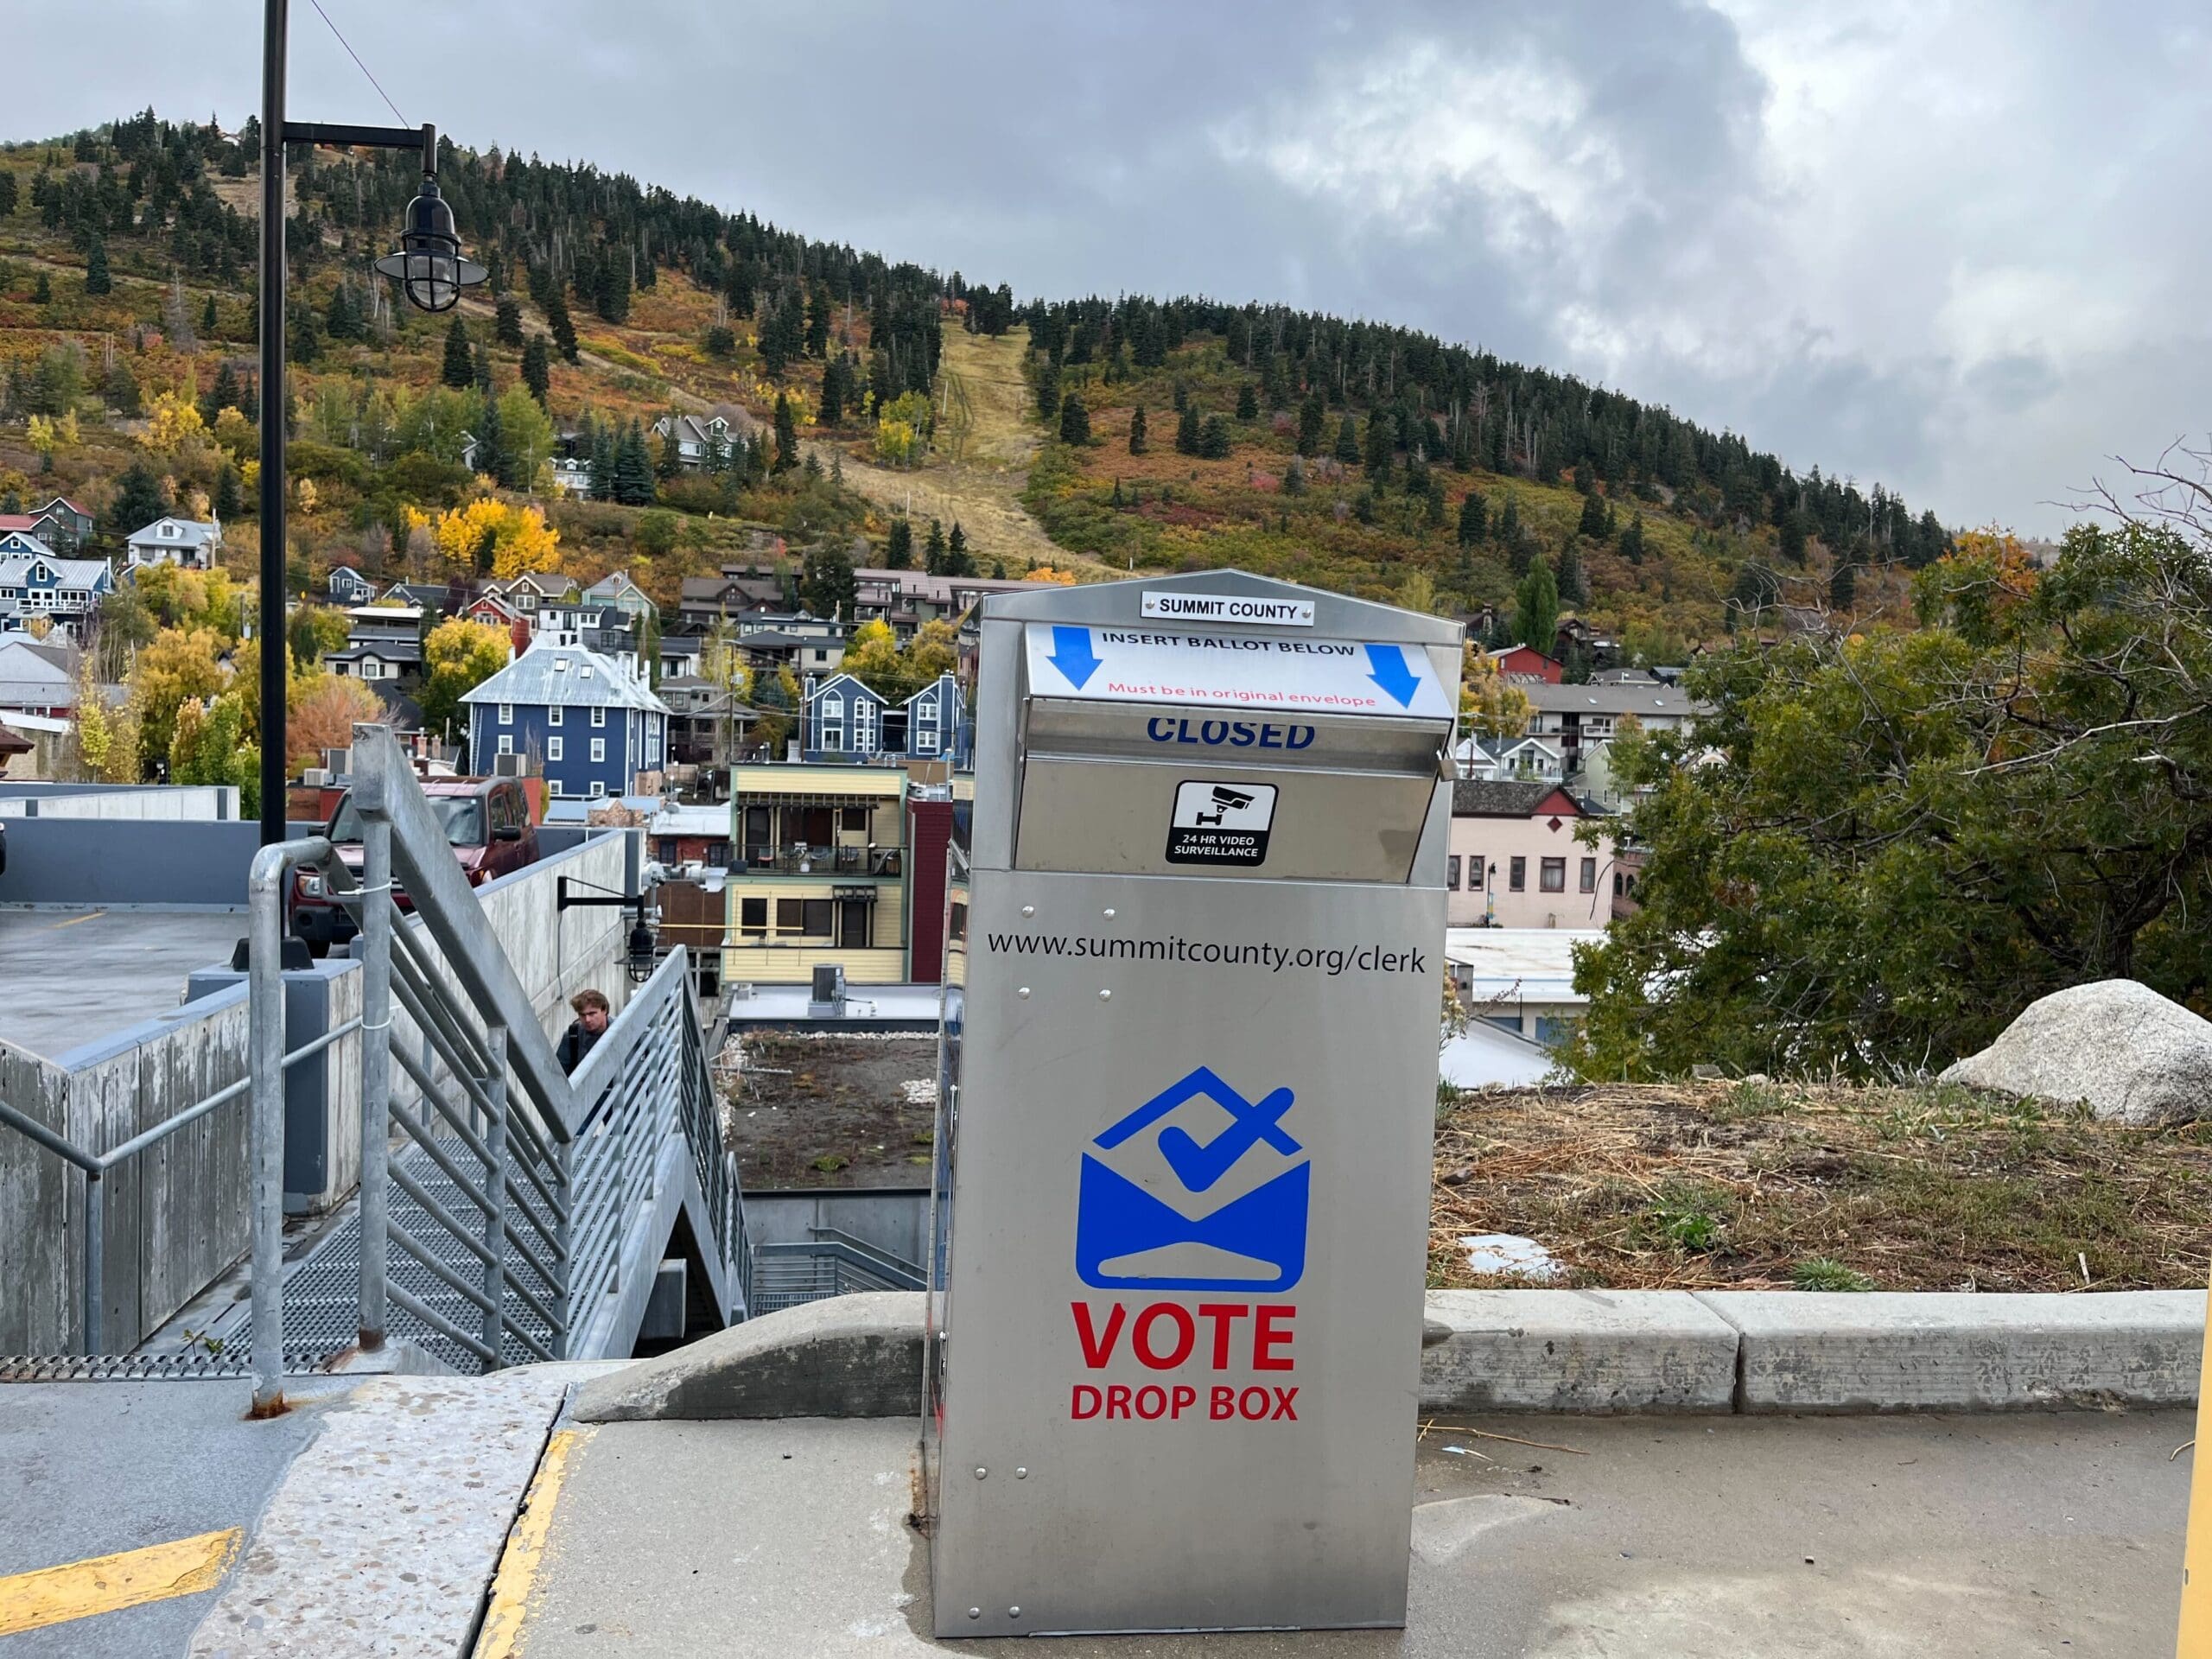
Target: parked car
{"x":486,"y":821}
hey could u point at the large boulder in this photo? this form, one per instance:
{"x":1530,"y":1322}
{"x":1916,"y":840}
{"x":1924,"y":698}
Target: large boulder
{"x":2134,"y":1056}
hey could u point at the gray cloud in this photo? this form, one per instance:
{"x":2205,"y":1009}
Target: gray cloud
{"x":1953,"y":248}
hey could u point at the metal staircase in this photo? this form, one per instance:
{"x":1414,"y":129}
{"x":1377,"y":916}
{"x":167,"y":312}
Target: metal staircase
{"x":508,"y":1211}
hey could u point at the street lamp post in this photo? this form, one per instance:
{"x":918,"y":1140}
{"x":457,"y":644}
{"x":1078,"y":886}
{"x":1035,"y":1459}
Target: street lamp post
{"x":431,"y":271}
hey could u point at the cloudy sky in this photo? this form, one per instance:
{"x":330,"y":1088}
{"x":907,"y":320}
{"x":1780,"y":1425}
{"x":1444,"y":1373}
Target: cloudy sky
{"x":1944,"y":244}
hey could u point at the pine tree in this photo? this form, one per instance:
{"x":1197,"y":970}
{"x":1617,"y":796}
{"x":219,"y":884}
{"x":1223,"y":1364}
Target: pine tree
{"x":816,"y":338}
{"x":43,"y":291}
{"x":1573,"y":590}
{"x":1348,"y":442}
{"x":491,"y":458}
{"x":1311,"y":414}
{"x":1075,"y":421}
{"x":934,"y":550}
{"x":786,"y":435}
{"x":899,"y":546}
{"x":605,"y":460}
{"x":508,"y":329}
{"x":1248,"y":403}
{"x":611,"y":291}
{"x":670,"y":462}
{"x":1048,"y":393}
{"x":957,"y":561}
{"x":1593,"y":524}
{"x":1186,"y":431}
{"x":139,"y":498}
{"x":340,"y":322}
{"x":97,"y":280}
{"x":1433,"y":509}
{"x":1136,"y":430}
{"x":537,"y":372}
{"x":1843,"y":586}
{"x":460,"y":369}
{"x":1294,"y":477}
{"x":223,"y":395}
{"x":1791,"y":539}
{"x":227,"y":494}
{"x":833,"y":395}
{"x":1380,"y":444}
{"x":1472,"y":513}
{"x":210,"y":324}
{"x":1214,"y":438}
{"x":564,"y":327}
{"x":1632,"y":540}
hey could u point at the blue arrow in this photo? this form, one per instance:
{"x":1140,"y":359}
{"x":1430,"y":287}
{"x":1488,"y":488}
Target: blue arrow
{"x":1399,"y":683}
{"x":1073,"y":656}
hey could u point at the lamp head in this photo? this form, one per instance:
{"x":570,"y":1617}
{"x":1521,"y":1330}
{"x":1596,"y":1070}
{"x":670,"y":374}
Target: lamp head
{"x":427,"y":264}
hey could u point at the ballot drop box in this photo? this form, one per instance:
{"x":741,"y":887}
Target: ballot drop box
{"x":1183,"y":1160}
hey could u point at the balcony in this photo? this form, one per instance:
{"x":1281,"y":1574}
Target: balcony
{"x":822,"y":860}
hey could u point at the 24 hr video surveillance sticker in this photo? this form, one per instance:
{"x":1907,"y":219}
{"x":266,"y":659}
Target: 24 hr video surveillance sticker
{"x":1221,"y":823}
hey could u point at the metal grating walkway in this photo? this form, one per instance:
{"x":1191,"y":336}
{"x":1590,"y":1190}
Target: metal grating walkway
{"x":322,"y":1289}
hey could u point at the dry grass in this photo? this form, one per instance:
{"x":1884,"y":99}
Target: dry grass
{"x":1760,"y":1185}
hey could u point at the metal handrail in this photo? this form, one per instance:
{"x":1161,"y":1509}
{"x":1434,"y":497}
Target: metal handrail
{"x":97,"y":1166}
{"x":548,"y":1176}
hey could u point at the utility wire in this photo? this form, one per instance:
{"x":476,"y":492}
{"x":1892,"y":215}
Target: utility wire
{"x":357,"y":64}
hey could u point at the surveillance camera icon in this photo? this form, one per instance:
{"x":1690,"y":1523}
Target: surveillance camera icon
{"x":1225,"y":801}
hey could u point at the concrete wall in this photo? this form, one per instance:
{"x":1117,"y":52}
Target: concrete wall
{"x":172,"y":865}
{"x":189,"y":803}
{"x":178,"y":1215}
{"x":891,"y":1218}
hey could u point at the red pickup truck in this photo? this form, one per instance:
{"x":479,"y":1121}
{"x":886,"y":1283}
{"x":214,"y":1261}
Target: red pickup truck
{"x":486,"y":821}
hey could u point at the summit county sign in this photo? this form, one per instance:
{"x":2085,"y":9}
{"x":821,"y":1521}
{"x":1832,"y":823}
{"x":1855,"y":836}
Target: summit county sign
{"x":1250,"y":671}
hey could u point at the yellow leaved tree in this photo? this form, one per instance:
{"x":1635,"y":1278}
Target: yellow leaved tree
{"x":173,"y":423}
{"x":1489,"y":705}
{"x":488,"y":533}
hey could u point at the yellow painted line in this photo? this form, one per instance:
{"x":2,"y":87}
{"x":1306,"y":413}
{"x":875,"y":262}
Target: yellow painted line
{"x":54,"y":1595}
{"x":94,"y":916}
{"x":501,"y":1638}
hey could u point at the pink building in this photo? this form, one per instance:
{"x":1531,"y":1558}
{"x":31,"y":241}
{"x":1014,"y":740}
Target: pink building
{"x":1514,"y":860}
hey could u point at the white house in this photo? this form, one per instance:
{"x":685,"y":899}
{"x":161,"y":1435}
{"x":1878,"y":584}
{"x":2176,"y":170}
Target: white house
{"x":1494,"y":759}
{"x":187,"y":542}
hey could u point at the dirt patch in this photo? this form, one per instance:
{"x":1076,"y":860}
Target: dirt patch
{"x":1759,"y":1186}
{"x":832,"y":1111}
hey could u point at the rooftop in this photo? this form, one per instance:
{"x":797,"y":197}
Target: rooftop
{"x":1537,"y":961}
{"x":69,"y":977}
{"x":1547,"y":698}
{"x":566,"y":675}
{"x":1472,"y":797}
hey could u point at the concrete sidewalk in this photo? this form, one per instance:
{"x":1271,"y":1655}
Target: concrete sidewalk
{"x":2005,"y":1535}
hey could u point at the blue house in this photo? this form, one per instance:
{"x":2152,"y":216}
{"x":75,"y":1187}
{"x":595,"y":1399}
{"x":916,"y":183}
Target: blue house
{"x":591,"y":721}
{"x":36,"y":582}
{"x":844,"y":721}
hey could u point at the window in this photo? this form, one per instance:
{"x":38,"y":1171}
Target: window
{"x":1474,"y":872}
{"x":598,"y":749}
{"x":553,"y":715}
{"x":552,"y":749}
{"x":598,"y":715}
{"x":1452,"y":874}
{"x":752,"y":916}
{"x":863,"y":727}
{"x":1518,"y":875}
{"x":1589,"y":876}
{"x":852,"y":820}
{"x":808,"y":918}
{"x":1554,"y":875}
{"x":506,"y":713}
{"x":552,"y":785}
{"x":598,"y":792}
{"x":507,"y":746}
{"x":833,"y":738}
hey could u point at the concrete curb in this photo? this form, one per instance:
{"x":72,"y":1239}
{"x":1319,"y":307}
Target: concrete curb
{"x":858,"y":1356}
{"x":1939,"y":1350}
{"x":1577,"y":1351}
{"x":1545,"y":1351}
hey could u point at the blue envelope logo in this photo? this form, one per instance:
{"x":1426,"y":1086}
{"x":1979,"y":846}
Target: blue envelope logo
{"x":1227,"y":1212}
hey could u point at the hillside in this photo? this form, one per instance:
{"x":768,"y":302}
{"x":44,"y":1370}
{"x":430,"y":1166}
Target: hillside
{"x":1346,"y":455}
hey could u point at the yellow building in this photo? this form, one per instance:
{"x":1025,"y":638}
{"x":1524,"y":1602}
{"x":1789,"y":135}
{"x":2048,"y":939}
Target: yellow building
{"x":818,"y":874}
